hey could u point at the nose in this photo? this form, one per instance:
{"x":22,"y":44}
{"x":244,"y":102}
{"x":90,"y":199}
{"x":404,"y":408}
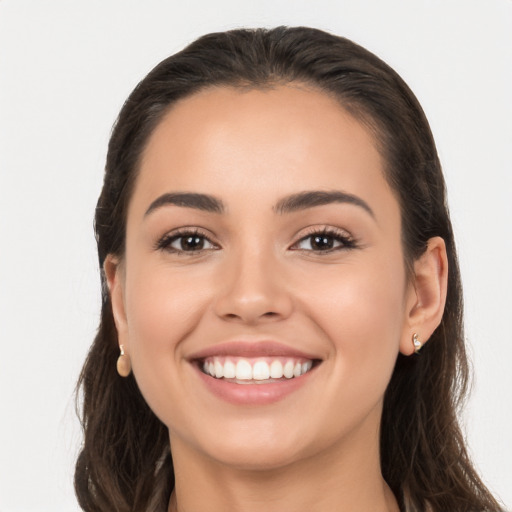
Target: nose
{"x":252,"y":290}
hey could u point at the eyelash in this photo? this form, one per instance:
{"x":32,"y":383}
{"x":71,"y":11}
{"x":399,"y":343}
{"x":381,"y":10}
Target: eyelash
{"x":164,"y":244}
{"x":346,"y":242}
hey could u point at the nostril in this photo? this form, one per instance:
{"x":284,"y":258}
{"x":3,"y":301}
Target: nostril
{"x":269,"y":315}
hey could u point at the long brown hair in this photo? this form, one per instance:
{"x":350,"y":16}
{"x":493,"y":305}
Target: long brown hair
{"x":125,"y":463}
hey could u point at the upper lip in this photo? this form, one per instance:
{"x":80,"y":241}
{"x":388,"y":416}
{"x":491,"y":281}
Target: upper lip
{"x":265,"y":348}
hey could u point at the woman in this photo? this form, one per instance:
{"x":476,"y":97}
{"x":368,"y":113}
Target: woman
{"x":281,"y":296}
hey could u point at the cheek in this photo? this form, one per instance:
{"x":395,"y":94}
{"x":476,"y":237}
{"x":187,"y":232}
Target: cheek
{"x":162,"y":308}
{"x":361,"y":309}
{"x":360,"y":299}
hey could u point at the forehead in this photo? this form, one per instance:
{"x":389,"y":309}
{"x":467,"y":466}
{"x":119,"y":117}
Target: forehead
{"x":272,"y":141}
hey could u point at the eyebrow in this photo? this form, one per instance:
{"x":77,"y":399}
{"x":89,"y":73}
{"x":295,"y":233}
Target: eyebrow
{"x":202,"y":202}
{"x":310,"y":199}
{"x":289,"y":204}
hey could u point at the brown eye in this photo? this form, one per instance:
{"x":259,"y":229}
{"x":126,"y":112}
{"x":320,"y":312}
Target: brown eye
{"x":185,"y":242}
{"x":191,"y":243}
{"x":325,"y":241}
{"x":321,"y":242}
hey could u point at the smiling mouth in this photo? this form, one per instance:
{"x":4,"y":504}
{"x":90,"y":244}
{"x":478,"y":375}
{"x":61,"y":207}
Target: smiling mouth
{"x":263,"y":370}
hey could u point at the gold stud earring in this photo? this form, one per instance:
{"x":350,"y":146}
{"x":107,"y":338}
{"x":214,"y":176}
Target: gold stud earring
{"x":416,"y":342}
{"x":124,"y":365}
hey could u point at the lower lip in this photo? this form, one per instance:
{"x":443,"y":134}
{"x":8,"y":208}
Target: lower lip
{"x":253,"y":394}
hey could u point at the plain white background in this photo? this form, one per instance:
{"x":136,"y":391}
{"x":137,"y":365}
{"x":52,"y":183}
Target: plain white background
{"x":65,"y":69}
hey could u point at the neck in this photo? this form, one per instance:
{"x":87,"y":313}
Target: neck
{"x":345,"y":477}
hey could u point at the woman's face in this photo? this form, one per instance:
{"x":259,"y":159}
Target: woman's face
{"x":262,"y":240}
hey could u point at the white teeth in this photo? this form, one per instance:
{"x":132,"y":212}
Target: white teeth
{"x":276,"y":370}
{"x":219,"y":369}
{"x":306,"y":367}
{"x":288,"y":369}
{"x":260,"y":371}
{"x":255,"y":369}
{"x":229,"y":370}
{"x":243,"y":370}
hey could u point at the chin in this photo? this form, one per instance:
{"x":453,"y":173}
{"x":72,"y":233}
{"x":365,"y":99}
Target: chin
{"x":260,"y":446}
{"x":256,"y":458}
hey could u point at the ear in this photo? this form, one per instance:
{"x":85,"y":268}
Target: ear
{"x":115,"y":281}
{"x":426,"y":296}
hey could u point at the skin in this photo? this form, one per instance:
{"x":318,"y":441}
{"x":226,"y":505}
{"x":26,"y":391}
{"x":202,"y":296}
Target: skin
{"x":256,"y":278}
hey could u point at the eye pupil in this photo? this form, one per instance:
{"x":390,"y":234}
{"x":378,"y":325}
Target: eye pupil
{"x":322,"y":242}
{"x":191,"y":243}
